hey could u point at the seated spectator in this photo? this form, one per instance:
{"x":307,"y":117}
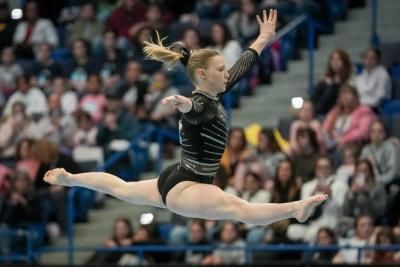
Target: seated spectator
{"x":94,"y":100}
{"x":132,"y":88}
{"x":145,"y":235}
{"x":112,"y":59}
{"x":60,"y":125}
{"x":197,"y":236}
{"x":366,"y":195}
{"x":349,"y":156}
{"x":20,"y":205}
{"x":156,"y":18}
{"x":143,"y":35}
{"x":221,"y":40}
{"x":364,"y":227}
{"x":33,"y":98}
{"x":25,"y":161}
{"x":348,"y":121}
{"x":382,"y":236}
{"x":81,"y":66}
{"x":284,"y":187}
{"x":15,"y":127}
{"x":337,"y":74}
{"x":229,"y":237}
{"x":305,"y":119}
{"x":86,"y":132}
{"x":235,"y":185}
{"x":45,"y":68}
{"x":253,"y":189}
{"x":158,"y":89}
{"x":123,"y":18}
{"x":328,"y":214}
{"x":304,"y":161}
{"x":87,"y":27}
{"x":68,"y":97}
{"x":383,"y":153}
{"x":118,"y":123}
{"x":268,"y":150}
{"x":8,"y":26}
{"x":191,"y":38}
{"x":9,"y":72}
{"x":236,"y":151}
{"x":325,"y":237}
{"x":374,"y":83}
{"x":121,"y":236}
{"x":33,"y":30}
{"x":243,"y":23}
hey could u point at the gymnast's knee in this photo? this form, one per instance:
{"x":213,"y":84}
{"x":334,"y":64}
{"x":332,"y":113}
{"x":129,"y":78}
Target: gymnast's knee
{"x":239,"y":209}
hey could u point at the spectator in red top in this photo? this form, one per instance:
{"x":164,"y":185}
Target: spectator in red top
{"x":126,"y":16}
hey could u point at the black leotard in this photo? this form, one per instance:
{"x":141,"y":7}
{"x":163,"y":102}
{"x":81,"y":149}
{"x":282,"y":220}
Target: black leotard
{"x":203,"y":133}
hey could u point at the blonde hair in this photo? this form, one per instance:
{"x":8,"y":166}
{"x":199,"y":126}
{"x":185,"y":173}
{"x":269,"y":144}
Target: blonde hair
{"x":176,"y":53}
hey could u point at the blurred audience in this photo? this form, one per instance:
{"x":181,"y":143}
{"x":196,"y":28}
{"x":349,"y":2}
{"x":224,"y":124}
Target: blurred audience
{"x":33,"y":30}
{"x":327,"y":214}
{"x":338,"y":73}
{"x":373,"y":83}
{"x":348,"y":121}
{"x":383,"y":153}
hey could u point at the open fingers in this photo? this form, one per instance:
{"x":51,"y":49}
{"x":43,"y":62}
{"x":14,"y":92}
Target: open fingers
{"x":274,"y":16}
{"x":259,"y":20}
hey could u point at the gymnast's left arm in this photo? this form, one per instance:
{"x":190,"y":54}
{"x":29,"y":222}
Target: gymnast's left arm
{"x":250,"y":56}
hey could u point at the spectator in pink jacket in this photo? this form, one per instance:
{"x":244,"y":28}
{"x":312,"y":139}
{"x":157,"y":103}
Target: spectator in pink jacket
{"x":348,"y":121}
{"x":94,"y":101}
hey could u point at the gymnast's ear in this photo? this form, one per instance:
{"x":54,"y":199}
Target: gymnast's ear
{"x":201,"y":74}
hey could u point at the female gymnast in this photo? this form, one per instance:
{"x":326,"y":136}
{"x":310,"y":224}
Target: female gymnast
{"x":186,"y":187}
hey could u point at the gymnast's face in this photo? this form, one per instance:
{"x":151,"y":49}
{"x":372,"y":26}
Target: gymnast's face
{"x":215,"y":76}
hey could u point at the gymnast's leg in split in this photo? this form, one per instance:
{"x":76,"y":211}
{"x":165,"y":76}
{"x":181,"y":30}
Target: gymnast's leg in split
{"x":187,"y":198}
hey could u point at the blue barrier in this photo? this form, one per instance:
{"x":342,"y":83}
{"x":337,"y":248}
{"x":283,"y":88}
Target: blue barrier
{"x":248,"y":249}
{"x":28,"y":256}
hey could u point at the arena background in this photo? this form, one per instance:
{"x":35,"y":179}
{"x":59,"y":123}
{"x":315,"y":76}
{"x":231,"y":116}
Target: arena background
{"x":76,"y":92}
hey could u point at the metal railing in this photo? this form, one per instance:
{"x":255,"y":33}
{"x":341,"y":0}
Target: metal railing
{"x":248,"y":250}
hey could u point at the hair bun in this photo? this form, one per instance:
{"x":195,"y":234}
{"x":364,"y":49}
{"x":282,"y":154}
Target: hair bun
{"x":180,"y":48}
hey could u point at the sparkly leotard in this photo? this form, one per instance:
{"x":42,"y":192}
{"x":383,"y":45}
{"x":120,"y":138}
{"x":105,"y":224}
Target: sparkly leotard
{"x":203,"y":133}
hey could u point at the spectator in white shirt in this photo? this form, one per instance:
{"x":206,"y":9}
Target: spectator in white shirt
{"x":373,"y":84}
{"x":364,"y":228}
{"x":33,"y":30}
{"x":325,"y":182}
{"x":33,"y":98}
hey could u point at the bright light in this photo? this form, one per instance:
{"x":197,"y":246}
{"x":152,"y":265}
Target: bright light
{"x":146,"y":218}
{"x":16,"y":13}
{"x":297,"y":102}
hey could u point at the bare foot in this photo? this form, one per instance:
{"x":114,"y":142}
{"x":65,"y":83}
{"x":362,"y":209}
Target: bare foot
{"x":305,"y":207}
{"x":57,"y":176}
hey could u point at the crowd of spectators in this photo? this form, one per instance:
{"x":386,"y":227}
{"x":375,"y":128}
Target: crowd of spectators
{"x":78,"y":83}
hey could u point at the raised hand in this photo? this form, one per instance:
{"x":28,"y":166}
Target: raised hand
{"x":268,"y":24}
{"x":183,"y":104}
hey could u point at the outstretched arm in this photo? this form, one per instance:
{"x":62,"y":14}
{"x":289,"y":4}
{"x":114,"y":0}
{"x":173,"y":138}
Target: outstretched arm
{"x":250,"y":56}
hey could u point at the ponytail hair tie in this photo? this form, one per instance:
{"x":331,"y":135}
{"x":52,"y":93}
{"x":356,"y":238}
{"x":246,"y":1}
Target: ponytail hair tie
{"x":180,"y":48}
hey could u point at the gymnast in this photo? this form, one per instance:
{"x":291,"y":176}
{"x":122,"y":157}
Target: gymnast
{"x":186,"y":187}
